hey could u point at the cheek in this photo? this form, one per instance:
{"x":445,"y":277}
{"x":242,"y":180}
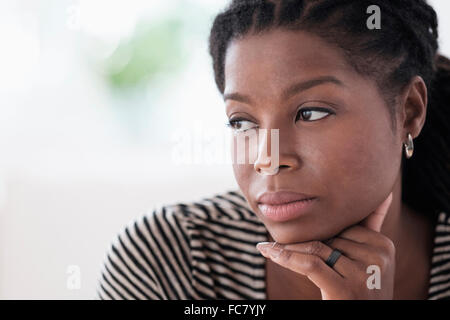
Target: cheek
{"x":364,"y":163}
{"x":242,"y":171}
{"x":355,"y":160}
{"x":241,"y":174}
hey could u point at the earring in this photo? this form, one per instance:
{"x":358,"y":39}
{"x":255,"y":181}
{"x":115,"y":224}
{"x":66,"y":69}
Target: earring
{"x":409,"y":148}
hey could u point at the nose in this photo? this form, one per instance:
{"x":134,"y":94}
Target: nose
{"x":280,"y":156}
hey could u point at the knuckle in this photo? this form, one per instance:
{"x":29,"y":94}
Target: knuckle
{"x":313,"y":263}
{"x":389,"y":246}
{"x":377,"y":256}
{"x":286,"y":255}
{"x":382,"y":261}
{"x":383,"y":253}
{"x":315,"y":248}
{"x":386,"y":249}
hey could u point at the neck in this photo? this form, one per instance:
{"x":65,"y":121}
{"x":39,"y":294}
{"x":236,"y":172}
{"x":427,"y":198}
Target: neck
{"x":398,"y":218}
{"x":412,"y":234}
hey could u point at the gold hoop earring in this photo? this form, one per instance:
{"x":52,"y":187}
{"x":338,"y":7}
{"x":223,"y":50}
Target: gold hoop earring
{"x":409,"y":148}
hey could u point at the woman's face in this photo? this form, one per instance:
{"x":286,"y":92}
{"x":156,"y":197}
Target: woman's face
{"x":347,"y":156}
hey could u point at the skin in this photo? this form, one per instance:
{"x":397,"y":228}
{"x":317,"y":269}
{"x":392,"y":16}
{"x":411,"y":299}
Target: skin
{"x":350,"y":159}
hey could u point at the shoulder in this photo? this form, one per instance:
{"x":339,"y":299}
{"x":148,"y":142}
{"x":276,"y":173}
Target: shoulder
{"x":440,"y":265}
{"x":442,"y":229}
{"x":444,"y":218}
{"x":154,"y":254}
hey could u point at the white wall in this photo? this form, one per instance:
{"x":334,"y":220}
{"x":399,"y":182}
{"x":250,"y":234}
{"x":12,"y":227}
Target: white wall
{"x":73,"y":168}
{"x":442,"y":7}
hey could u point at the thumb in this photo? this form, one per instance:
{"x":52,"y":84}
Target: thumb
{"x":375,"y":220}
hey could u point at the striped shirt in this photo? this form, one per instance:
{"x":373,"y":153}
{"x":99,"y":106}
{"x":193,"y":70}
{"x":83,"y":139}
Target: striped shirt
{"x":207,"y":250}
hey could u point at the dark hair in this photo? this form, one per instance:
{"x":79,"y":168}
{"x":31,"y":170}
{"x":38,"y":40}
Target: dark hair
{"x":405,"y":46}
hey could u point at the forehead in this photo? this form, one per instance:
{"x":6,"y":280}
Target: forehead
{"x":274,"y":59}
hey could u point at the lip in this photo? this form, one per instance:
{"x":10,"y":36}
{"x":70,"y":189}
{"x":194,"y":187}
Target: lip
{"x":282,"y":197}
{"x":284,"y":206}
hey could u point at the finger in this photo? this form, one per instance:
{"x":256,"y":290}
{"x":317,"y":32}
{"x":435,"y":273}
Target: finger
{"x":363,"y":255}
{"x":351,"y":249}
{"x":309,"y":265}
{"x":343,"y":265}
{"x":360,"y":234}
{"x":375,"y":220}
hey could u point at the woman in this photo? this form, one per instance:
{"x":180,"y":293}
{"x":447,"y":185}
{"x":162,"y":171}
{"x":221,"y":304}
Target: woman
{"x":348,"y":211}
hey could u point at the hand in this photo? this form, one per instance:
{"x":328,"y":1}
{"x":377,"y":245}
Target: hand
{"x":361,"y":245}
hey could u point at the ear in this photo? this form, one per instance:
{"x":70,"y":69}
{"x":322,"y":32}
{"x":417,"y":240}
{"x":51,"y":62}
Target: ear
{"x":413,"y":107}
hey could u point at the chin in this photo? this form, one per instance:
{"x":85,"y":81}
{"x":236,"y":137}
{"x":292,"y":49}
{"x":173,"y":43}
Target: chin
{"x":287,"y":238}
{"x":294,"y":234}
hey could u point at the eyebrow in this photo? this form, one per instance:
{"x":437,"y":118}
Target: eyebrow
{"x":291,"y":90}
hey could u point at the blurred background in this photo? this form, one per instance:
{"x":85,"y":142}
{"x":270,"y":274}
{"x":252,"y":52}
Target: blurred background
{"x":107,"y":108}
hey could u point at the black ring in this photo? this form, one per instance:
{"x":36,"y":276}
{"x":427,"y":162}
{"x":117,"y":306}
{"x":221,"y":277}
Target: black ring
{"x":334,"y":256}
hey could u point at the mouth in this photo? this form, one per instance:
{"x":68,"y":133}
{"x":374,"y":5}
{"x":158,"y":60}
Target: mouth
{"x":286,"y":211}
{"x":282,"y":197}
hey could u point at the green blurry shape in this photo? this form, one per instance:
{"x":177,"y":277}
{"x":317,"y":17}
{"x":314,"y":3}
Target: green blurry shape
{"x":151,"y":50}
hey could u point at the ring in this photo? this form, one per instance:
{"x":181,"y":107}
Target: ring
{"x":334,"y":256}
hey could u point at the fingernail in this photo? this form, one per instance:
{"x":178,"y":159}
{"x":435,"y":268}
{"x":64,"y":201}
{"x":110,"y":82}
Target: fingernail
{"x":260,"y":245}
{"x":268,"y":250}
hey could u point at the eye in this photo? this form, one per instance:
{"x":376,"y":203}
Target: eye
{"x":308,"y":114}
{"x":240,"y":125}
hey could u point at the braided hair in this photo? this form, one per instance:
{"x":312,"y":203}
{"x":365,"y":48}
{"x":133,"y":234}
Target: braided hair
{"x":405,"y":46}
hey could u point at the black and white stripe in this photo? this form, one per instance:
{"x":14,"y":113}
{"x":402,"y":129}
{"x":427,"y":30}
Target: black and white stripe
{"x":440,"y":264}
{"x":207,"y":250}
